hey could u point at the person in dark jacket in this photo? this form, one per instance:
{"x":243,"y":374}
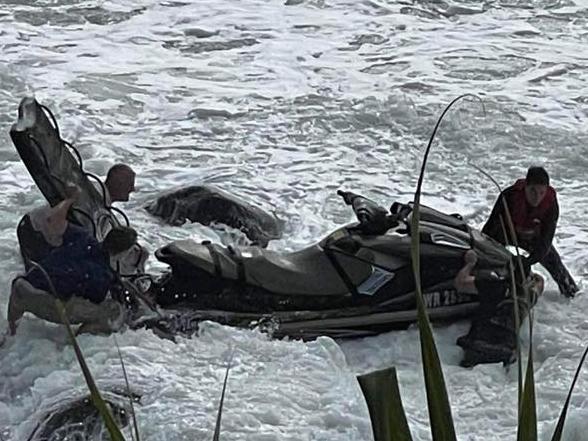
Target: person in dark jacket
{"x":532,"y":204}
{"x":79,"y":268}
{"x":36,"y":234}
{"x":493,"y":332}
{"x":81,"y":265}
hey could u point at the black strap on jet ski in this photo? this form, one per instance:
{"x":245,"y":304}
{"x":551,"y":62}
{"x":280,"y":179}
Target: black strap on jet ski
{"x":102,"y":188}
{"x":93,"y":176}
{"x":86,"y":215}
{"x":340,"y":270}
{"x":75,"y":151}
{"x":215,"y":259}
{"x":57,"y":178}
{"x":128,"y":285}
{"x":238,"y":259}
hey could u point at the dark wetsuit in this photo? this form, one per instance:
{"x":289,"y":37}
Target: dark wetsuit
{"x":493,"y":335}
{"x":78,"y":267}
{"x":492,"y":290}
{"x":535,"y":228}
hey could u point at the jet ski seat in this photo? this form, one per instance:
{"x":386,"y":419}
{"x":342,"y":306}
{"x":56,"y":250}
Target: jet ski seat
{"x":294,"y":273}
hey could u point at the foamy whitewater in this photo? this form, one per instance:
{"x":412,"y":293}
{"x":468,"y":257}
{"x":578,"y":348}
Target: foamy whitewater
{"x":284,"y":103}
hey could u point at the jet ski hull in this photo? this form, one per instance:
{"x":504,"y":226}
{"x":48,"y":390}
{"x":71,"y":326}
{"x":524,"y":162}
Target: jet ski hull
{"x":306,"y":325}
{"x":302,"y":294}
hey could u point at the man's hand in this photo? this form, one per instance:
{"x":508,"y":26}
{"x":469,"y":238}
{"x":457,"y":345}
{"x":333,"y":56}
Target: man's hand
{"x":569,"y":288}
{"x":464,"y":280}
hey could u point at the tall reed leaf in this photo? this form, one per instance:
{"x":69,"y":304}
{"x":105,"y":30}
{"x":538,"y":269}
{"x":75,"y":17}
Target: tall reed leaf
{"x":99,"y":403}
{"x":527,"y":430}
{"x":527,"y":408}
{"x":516,"y":307}
{"x":527,"y":420}
{"x":508,"y":229}
{"x":216,"y":436}
{"x":129,"y":392}
{"x":560,"y":423}
{"x":97,"y":400}
{"x":382,"y":395}
{"x":440,"y":417}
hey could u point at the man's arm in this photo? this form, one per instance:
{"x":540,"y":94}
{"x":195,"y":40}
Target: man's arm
{"x":55,"y":221}
{"x":543,"y":241}
{"x":493,"y":227}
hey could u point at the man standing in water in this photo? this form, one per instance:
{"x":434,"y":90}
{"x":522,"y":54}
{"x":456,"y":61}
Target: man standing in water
{"x":119,"y":184}
{"x":532,"y":204}
{"x":493,"y":332}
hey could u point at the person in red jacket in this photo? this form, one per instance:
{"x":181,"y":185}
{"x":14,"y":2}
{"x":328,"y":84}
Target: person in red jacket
{"x":533,"y":208}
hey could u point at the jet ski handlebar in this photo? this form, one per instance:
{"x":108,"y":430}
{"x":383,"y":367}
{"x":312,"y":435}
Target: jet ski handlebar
{"x":373,"y":219}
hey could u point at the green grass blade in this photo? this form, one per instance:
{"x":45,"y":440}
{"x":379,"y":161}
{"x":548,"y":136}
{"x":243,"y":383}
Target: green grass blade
{"x":97,"y":400}
{"x":562,"y":418}
{"x":508,"y":229}
{"x":382,"y":395}
{"x":440,"y":417}
{"x":527,"y":429}
{"x":129,"y":392}
{"x":217,"y":427}
{"x":515,"y":297}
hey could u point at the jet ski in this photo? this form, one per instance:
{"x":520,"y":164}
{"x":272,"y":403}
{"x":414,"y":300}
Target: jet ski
{"x":56,"y":164}
{"x":356,"y":281}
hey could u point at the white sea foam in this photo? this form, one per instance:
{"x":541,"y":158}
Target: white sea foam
{"x":285,"y":104}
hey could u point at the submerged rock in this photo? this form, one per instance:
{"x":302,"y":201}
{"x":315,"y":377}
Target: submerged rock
{"x":207,"y":204}
{"x":79,"y":419}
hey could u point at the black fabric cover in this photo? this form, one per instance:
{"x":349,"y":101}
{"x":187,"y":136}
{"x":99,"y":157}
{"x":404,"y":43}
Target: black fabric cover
{"x":53,"y":166}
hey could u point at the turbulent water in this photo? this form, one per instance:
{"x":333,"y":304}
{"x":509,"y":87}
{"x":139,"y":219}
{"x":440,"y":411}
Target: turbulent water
{"x":285,"y":103}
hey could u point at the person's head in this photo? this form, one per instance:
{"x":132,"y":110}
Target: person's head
{"x":536,"y":185}
{"x":120,"y":182}
{"x":119,"y":239}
